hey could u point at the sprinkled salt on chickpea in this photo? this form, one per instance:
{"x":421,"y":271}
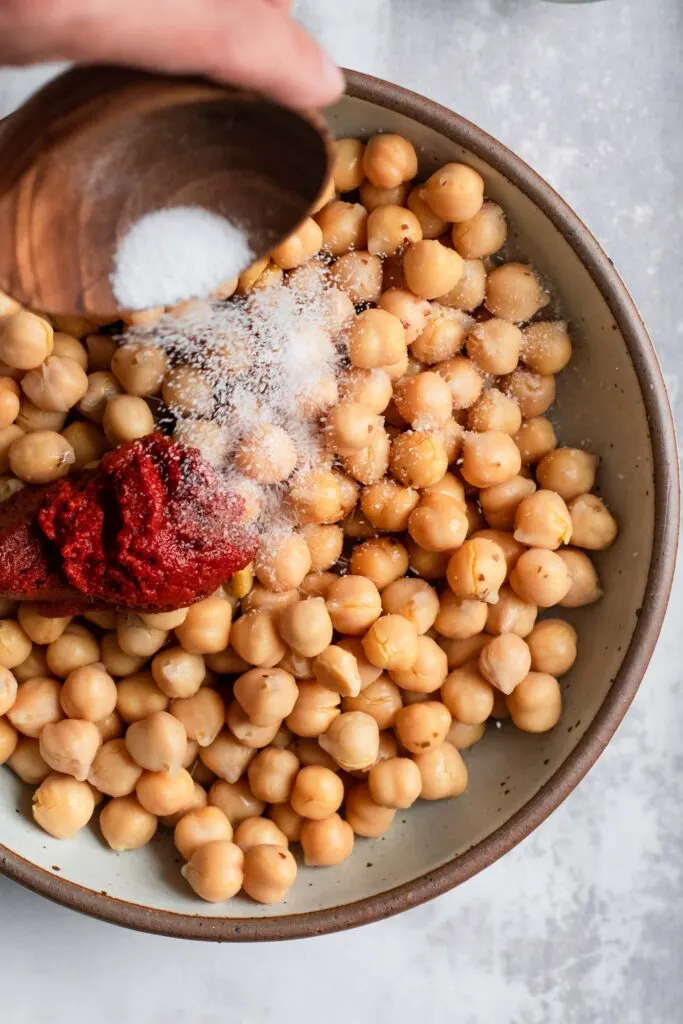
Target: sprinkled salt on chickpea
{"x":424,"y":400}
{"x":514,"y":292}
{"x":359,"y":275}
{"x":283,"y":563}
{"x":533,"y":392}
{"x":443,"y":335}
{"x":381,"y":560}
{"x":535,"y":439}
{"x":481,"y":235}
{"x":413,"y":312}
{"x":299,"y":247}
{"x":464,"y":381}
{"x":266,"y":454}
{"x":546,"y":347}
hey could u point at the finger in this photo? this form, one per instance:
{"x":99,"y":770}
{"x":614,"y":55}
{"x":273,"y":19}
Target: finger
{"x":253,"y":43}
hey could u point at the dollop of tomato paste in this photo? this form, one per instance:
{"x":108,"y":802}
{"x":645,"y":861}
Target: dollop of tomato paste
{"x":151,"y":528}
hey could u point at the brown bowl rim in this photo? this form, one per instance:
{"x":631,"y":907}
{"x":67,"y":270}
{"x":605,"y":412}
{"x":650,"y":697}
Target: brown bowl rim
{"x":660,"y":576}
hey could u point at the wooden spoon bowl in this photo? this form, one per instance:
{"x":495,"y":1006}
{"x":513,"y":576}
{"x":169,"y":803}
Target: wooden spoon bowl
{"x":97,"y":148}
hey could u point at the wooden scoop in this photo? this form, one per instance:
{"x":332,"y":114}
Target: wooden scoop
{"x":98,"y":148}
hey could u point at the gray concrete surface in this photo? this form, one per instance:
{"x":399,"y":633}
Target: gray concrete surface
{"x":583,"y":922}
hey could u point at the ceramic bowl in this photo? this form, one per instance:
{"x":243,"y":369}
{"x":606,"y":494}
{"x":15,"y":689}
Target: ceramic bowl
{"x":613,"y":400}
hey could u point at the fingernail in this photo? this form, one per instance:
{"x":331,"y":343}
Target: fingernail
{"x":332,"y":80}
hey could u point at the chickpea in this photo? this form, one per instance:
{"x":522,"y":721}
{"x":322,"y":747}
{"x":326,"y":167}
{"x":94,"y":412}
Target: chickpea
{"x":415,"y":600}
{"x":391,"y":643}
{"x":356,"y":526}
{"x":161,"y":793}
{"x":69,"y":347}
{"x":36,"y":705}
{"x":540,"y":577}
{"x":327,"y":841}
{"x":359,"y":275}
{"x":137,"y":639}
{"x":569,"y":472}
{"x":377,"y":338}
{"x":26,"y":340}
{"x":462,"y":736}
{"x":87,"y":442}
{"x":206,"y":628}
{"x":138,"y":696}
{"x":269,"y":872}
{"x":372,"y":197}
{"x":431,"y":269}
{"x":468,"y":294}
{"x":78,"y":326}
{"x":546,"y":348}
{"x":510,"y":615}
{"x":553,"y":646}
{"x":542,"y":520}
{"x":455,"y":192}
{"x":26,"y":761}
{"x":500,"y":502}
{"x":495,"y":346}
{"x":389,"y":161}
{"x":593,"y":525}
{"x":73,"y":649}
{"x":113,"y":770}
{"x":418,"y":458}
{"x":8,"y":690}
{"x":318,"y":792}
{"x":431,"y":225}
{"x":266,"y":695}
{"x":364,"y":815}
{"x":243,"y":729}
{"x":258,"y":599}
{"x":369,"y":388}
{"x":439,"y":523}
{"x":368,"y":673}
{"x":387,"y":505}
{"x":102,"y":386}
{"x":467,"y":695}
{"x":413,"y":312}
{"x":430,"y":565}
{"x":514,"y":292}
{"x":198,"y":827}
{"x":116,"y":662}
{"x":56,"y":386}
{"x":126,"y":825}
{"x":127,"y":417}
{"x":299,"y":247}
{"x":505,"y":662}
{"x":535,"y":705}
{"x":422,"y":726}
{"x":535,"y":439}
{"x":9,"y":740}
{"x":306,"y":627}
{"x":428,"y":672}
{"x":398,"y":369}
{"x":324,"y":544}
{"x":225,"y":755}
{"x":288,"y":821}
{"x":282,"y":564}
{"x":353,"y":604}
{"x":235,"y":800}
{"x":381,"y":700}
{"x":248,"y":278}
{"x":442,"y":771}
{"x":348,"y":165}
{"x":258,"y":832}
{"x":177,"y":673}
{"x":8,"y":438}
{"x":533,"y":392}
{"x":395,"y":783}
{"x":215,"y":870}
{"x":463,"y":380}
{"x":266,"y":454}
{"x":41,"y":457}
{"x":315,"y":497}
{"x":460,"y":617}
{"x":88,"y":693}
{"x":390,"y":229}
{"x":100,"y":349}
{"x":477,"y":570}
{"x":381,"y":560}
{"x":369,"y":465}
{"x":201,"y":715}
{"x":316,"y":584}
{"x":9,"y":401}
{"x":443,"y":335}
{"x":424,"y":400}
{"x":585,"y":584}
{"x":39,"y":628}
{"x":489,"y":458}
{"x":481,"y":235}
{"x":352,"y":739}
{"x":157,"y":743}
{"x":111,"y":727}
{"x":272,"y":774}
{"x":62,"y":806}
{"x":337,"y":669}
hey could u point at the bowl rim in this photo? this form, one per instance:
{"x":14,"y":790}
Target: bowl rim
{"x":632,"y":669}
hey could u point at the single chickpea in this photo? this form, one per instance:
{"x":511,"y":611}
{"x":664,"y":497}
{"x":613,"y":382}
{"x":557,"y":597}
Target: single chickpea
{"x":535,"y":705}
{"x":535,"y":439}
{"x":266,"y":454}
{"x":505,"y":662}
{"x":369,"y":388}
{"x":206,"y":628}
{"x":113,"y":770}
{"x":73,"y":649}
{"x":138,"y":696}
{"x":87,"y":442}
{"x":395,"y":783}
{"x":226,"y":756}
{"x":391,"y":643}
{"x":390,"y":229}
{"x":413,"y":312}
{"x":489,"y":458}
{"x":500,"y":502}
{"x":482,"y":235}
{"x":157,"y":743}
{"x":309,"y":751}
{"x":288,"y":821}
{"x":372,"y":196}
{"x":201,"y":715}
{"x":353,"y":604}
{"x":248,"y":278}
{"x":477,"y":570}
{"x":316,"y":584}
{"x":198,"y":827}
{"x":258,"y":598}
{"x":8,"y":690}
{"x":236,"y":801}
{"x":462,"y":736}
{"x":41,"y":457}
{"x":510,"y":615}
{"x":442,"y":337}
{"x":116,"y":662}
{"x":439,"y":523}
{"x":431,"y":269}
{"x":324,"y":544}
{"x":269,"y":872}
{"x":272,"y":774}
{"x":541,"y":577}
{"x":258,"y":832}
{"x":593,"y":525}
{"x":460,"y":617}
{"x":187,"y":392}
{"x":250,"y":735}
{"x":306,"y":627}
{"x":178,"y":673}
{"x":442,"y":771}
{"x":429,"y":565}
{"x":467,"y":695}
{"x":431,"y":225}
{"x":415,"y":600}
{"x":418,"y":458}
{"x":337,"y":669}
{"x":553,"y":646}
{"x":514,"y":292}
{"x":326,"y":842}
{"x":377,"y":338}
{"x":495,"y":346}
{"x":299,"y":247}
{"x":389,"y":160}
{"x":423,"y":726}
{"x":39,"y":628}
{"x":26,"y":340}
{"x":546,"y":347}
{"x":387,"y":505}
{"x":348,"y":165}
{"x":352,"y":739}
{"x":136,"y":638}
{"x":463,"y":379}
{"x":381,"y":560}
{"x":78,"y":326}
{"x":10,"y":403}
{"x":9,"y":740}
{"x":368,"y":673}
{"x":315,"y":497}
{"x":350,"y":426}
{"x":62,"y":806}
{"x":15,"y":646}
{"x":56,"y":386}
{"x":364,"y":815}
{"x":533,"y":392}
{"x":266,"y":695}
{"x":318,"y":792}
{"x":542,"y":520}
{"x":380,"y":699}
{"x":126,"y":825}
{"x":585,"y":584}
{"x":215,"y":870}
{"x":569,"y":472}
{"x":100,"y":349}
{"x":284,"y":564}
{"x":163,"y":793}
{"x":356,"y":526}
{"x":8,"y":438}
{"x":455,"y":192}
{"x":26,"y":761}
{"x":88,"y":693}
{"x":424,"y":400}
{"x":127,"y":417}
{"x":102,"y":386}
{"x":315,"y":710}
{"x":398,"y":369}
{"x":359,"y":275}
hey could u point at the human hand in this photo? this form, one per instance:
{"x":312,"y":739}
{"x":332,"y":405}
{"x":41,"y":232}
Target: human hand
{"x":252,"y":43}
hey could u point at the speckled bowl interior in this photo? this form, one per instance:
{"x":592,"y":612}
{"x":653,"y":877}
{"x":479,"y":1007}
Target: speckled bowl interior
{"x":612,"y":401}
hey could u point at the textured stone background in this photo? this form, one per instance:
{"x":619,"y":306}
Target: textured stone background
{"x":583,"y":922}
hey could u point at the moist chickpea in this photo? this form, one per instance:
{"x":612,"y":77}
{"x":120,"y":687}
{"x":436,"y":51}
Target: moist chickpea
{"x":442,"y":771}
{"x":318,"y":792}
{"x":32,"y":418}
{"x":74,"y":648}
{"x":267,"y":695}
{"x":102,"y":386}
{"x":283,"y":566}
{"x":431,"y":225}
{"x":495,"y":346}
{"x":157,"y":743}
{"x":35,"y":706}
{"x":236,"y":801}
{"x":535,"y":439}
{"x":569,"y":472}
{"x":70,"y":347}
{"x":9,"y":688}
{"x":494,"y":410}
{"x":249,"y":734}
{"x":78,"y":326}
{"x":460,"y":617}
{"x":462,"y":736}
{"x":116,"y":662}
{"x":387,"y":505}
{"x":505,"y":662}
{"x":423,"y":726}
{"x":266,"y":454}
{"x":315,"y":496}
{"x":477,"y":570}
{"x":372,"y":197}
{"x":248,"y":278}
{"x":585,"y":584}
{"x":367,"y":672}
{"x":350,"y":426}
{"x":215,"y":871}
{"x":352,"y":739}
{"x":198,"y":827}
{"x":540,"y":577}
{"x":398,"y":369}
{"x":269,"y":872}
{"x":389,"y":160}
{"x":381,"y":560}
{"x":206,"y":628}
{"x":324,"y":544}
{"x":316,"y":584}
{"x":489,"y":458}
{"x":136,"y":638}
{"x":10,"y":403}
{"x":315,"y":709}
{"x":468,"y":294}
{"x":201,"y":715}
{"x":514,"y":292}
{"x":369,"y":388}
{"x":357,"y":527}
{"x":226,"y":756}
{"x":391,"y":643}
{"x":309,"y":751}
{"x":26,"y":340}
{"x":127,"y":417}
{"x":34,"y":665}
{"x":431,"y":269}
{"x":337,"y":670}
{"x":533,"y":392}
{"x":112,"y":727}
{"x":467,"y":695}
{"x":353,"y":604}
{"x":593,"y":525}
{"x":364,"y":815}
{"x":9,"y":740}
{"x":15,"y":645}
{"x":113,"y":770}
{"x":500,"y":502}
{"x":39,"y":628}
{"x":535,"y":705}
{"x":62,"y":806}
{"x":26,"y":761}
{"x":463,"y":380}
{"x":178,"y":673}
{"x":163,"y":793}
{"x":88,"y":693}
{"x":482,"y":235}
{"x":56,"y":386}
{"x":542,"y":520}
{"x":258,"y":598}
{"x":138,"y":696}
{"x":8,"y":438}
{"x":126,"y":825}
{"x":455,"y":192}
{"x":199,"y":799}
{"x":546,"y":347}
{"x":41,"y":457}
{"x":381,"y":700}
{"x":359,"y":275}
{"x":348,"y":165}
{"x":377,"y":338}
{"x":395,"y":783}
{"x":390,"y":229}
{"x":306,"y":627}
{"x":424,"y":400}
{"x":415,"y":600}
{"x":553,"y":646}
{"x":413,"y":312}
{"x":258,"y":832}
{"x":439,"y":523}
{"x":272,"y":773}
{"x":299,"y":247}
{"x":442,"y":337}
{"x":430,"y":565}
{"x":87,"y":442}
{"x":327,"y":195}
{"x":288,"y":821}
{"x":418,"y":458}
{"x":510,"y":615}
{"x":327,"y":841}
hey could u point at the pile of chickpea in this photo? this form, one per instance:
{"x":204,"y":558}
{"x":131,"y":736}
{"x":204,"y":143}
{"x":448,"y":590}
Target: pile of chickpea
{"x":338,"y":678}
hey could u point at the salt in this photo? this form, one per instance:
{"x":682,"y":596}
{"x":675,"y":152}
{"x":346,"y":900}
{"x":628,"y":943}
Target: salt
{"x":177,"y":253}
